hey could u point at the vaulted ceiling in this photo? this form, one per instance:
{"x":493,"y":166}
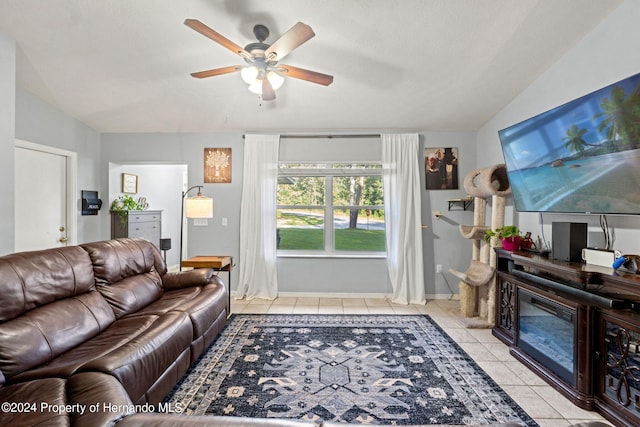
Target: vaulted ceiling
{"x":124,"y":65}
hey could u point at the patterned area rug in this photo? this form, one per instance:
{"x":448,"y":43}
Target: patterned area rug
{"x":343,"y":368}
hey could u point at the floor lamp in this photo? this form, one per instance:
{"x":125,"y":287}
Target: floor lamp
{"x":194,"y":207}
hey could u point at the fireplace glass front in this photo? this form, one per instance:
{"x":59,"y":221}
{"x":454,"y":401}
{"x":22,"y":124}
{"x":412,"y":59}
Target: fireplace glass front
{"x":547,"y":332}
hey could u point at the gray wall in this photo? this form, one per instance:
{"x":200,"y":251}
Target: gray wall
{"x":40,"y":123}
{"x":606,"y":55}
{"x":186,"y":149}
{"x":442,"y":241}
{"x":26,"y":117}
{"x":7,"y":136}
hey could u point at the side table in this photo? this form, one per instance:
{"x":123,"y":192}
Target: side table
{"x":217,"y":263}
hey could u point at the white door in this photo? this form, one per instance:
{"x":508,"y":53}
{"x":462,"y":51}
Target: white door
{"x":40,"y":199}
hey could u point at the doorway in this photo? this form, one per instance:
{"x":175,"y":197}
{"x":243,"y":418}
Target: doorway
{"x":44,"y":204}
{"x":161,"y":185}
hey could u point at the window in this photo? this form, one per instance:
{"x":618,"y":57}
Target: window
{"x":330,"y":208}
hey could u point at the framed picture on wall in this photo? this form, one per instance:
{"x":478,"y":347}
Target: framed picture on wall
{"x":217,"y":165}
{"x":441,"y":168}
{"x":129,"y":183}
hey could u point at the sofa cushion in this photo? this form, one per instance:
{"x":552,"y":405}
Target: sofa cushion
{"x":38,"y":400}
{"x":203,"y":304}
{"x":126,"y":273}
{"x":43,"y":334}
{"x":139,"y":362}
{"x":120,"y":333}
{"x":32,"y":279}
{"x":136,"y":351}
{"x":133,"y":293}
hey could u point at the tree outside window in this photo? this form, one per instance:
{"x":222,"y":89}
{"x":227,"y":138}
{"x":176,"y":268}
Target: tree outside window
{"x":330,"y":208}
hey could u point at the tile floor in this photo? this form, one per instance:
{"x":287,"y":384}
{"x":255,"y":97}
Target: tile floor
{"x":542,"y":402}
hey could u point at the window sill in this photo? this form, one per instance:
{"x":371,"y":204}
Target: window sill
{"x":324,"y":255}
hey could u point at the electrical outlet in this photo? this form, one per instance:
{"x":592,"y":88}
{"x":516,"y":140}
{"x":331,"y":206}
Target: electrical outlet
{"x":438,"y":268}
{"x":225,"y":222}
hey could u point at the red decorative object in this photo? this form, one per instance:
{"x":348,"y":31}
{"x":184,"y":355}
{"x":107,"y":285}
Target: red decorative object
{"x":511,"y":243}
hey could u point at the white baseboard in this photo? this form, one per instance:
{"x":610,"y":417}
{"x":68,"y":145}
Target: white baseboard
{"x":349,"y":295}
{"x":173,"y":268}
{"x":455,"y":297}
{"x":325,"y":295}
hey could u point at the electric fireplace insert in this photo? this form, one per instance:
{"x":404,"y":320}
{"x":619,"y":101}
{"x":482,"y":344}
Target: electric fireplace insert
{"x":547,"y":332}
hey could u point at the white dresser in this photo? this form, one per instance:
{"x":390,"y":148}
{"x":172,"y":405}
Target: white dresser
{"x":145,"y":224}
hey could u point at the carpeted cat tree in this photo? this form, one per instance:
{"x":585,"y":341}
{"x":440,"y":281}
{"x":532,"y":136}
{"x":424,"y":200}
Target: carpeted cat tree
{"x":477,"y":284}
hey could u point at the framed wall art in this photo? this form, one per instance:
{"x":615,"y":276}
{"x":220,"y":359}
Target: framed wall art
{"x":129,"y":183}
{"x":217,"y":165}
{"x":441,"y":168}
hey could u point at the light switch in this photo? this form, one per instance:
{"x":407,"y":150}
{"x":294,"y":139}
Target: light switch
{"x":200,"y":222}
{"x":225,"y":222}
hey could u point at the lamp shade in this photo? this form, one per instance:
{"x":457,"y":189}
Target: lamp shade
{"x":255,"y":82}
{"x":198,"y":207}
{"x":275,"y":79}
{"x":256,"y":87}
{"x":249,"y":74}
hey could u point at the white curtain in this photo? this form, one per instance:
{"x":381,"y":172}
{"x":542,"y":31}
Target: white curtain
{"x":401,"y":168}
{"x":258,"y":275}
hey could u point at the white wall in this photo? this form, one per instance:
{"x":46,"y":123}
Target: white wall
{"x":606,"y":55}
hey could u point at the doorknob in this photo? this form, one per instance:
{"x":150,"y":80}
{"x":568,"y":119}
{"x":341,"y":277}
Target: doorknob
{"x":62,"y":228}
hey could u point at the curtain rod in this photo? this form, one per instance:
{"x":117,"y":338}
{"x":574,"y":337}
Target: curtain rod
{"x":363,"y":135}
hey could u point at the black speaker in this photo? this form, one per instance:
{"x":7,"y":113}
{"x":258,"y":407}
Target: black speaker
{"x":165,"y":244}
{"x":568,"y":240}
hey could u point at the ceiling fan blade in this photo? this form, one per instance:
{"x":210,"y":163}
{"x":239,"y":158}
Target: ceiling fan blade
{"x":216,"y":71}
{"x":216,"y":37}
{"x":302,"y":74}
{"x":290,"y":40}
{"x":268,"y":94}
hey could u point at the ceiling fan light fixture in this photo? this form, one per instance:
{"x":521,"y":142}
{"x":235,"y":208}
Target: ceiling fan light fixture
{"x":275,"y":79}
{"x":262,"y":58}
{"x":249,"y":74}
{"x":256,"y":87}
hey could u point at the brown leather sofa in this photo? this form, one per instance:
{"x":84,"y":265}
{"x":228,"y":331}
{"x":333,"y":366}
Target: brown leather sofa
{"x":97,"y":334}
{"x":100,"y":322}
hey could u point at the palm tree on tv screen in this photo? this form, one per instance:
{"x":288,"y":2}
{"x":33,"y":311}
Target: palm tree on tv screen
{"x":574,"y":141}
{"x":621,"y":117}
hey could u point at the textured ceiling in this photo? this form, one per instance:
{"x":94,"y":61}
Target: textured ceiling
{"x":404,"y":65}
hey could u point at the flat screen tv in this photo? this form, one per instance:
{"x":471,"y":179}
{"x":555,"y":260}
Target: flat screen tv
{"x":580,"y":157}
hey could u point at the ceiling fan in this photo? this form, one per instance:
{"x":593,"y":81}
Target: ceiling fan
{"x":263,"y":74}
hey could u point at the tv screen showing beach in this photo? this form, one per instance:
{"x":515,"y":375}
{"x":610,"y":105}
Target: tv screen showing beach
{"x":581,"y":157}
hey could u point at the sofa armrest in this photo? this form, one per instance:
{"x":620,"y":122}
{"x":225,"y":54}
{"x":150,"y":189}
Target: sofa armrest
{"x":185,"y":279}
